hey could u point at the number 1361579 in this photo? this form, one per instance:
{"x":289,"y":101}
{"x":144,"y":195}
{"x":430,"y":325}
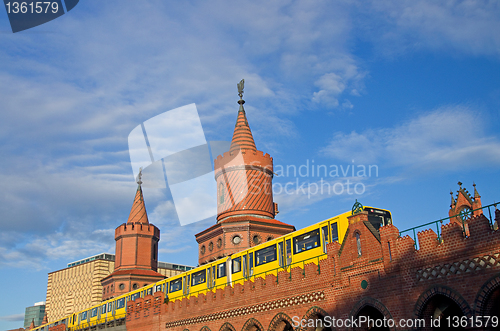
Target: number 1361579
{"x":38,"y":7}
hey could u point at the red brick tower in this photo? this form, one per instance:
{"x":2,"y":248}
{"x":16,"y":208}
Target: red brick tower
{"x":245,"y":207}
{"x":136,"y":257}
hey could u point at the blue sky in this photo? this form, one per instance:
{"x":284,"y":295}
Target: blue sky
{"x":412,"y":87}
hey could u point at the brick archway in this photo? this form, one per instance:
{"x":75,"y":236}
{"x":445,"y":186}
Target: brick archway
{"x":370,"y":303}
{"x":484,"y":295}
{"x":281,"y":322}
{"x":205,"y":328}
{"x":444,"y":291}
{"x":227,"y":327}
{"x":314,"y":313}
{"x":252,"y":325}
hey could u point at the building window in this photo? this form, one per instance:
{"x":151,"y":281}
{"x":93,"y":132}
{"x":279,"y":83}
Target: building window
{"x":122,"y":287}
{"x":135,"y":286}
{"x":256,"y":239}
{"x":358,"y":243}
{"x":221,"y":193}
{"x":219,"y":243}
{"x":236,"y":240}
{"x":269,"y":238}
{"x":202,"y":249}
{"x":211,"y":246}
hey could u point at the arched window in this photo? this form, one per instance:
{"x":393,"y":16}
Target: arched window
{"x":358,"y":243}
{"x":221,"y":193}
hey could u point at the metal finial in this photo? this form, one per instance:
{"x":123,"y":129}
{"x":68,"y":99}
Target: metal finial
{"x":460,"y":184}
{"x":139,"y":177}
{"x":241,"y":85}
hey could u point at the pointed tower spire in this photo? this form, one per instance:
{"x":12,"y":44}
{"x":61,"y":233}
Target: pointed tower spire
{"x":242,"y":136}
{"x":476,"y":194}
{"x":138,"y":213}
{"x":32,"y":325}
{"x":45,"y":319}
{"x":452,"y":199}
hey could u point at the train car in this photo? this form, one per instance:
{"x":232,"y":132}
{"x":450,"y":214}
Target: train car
{"x":298,"y":248}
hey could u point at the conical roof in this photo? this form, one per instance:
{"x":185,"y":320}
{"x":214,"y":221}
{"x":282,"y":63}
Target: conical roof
{"x":242,"y":136}
{"x":476,"y":194}
{"x":138,"y":213}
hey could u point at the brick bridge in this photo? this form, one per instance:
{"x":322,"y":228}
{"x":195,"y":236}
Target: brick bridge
{"x":455,"y":275}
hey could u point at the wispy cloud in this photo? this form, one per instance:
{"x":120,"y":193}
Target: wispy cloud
{"x":12,"y":318}
{"x":404,"y":25}
{"x":447,"y":138}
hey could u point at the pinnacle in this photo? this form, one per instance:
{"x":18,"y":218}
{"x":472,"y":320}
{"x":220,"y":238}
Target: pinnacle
{"x":242,"y":136}
{"x":138,"y":213}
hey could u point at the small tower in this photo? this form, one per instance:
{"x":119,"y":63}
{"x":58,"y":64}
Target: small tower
{"x":245,"y":206}
{"x":464,"y":206}
{"x":136,"y":257}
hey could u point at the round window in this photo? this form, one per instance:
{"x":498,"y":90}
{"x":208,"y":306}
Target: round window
{"x":236,"y":240}
{"x":122,"y":287}
{"x":135,"y":286}
{"x":219,"y":242}
{"x":256,"y":239}
{"x":269,"y":238}
{"x":203,"y":249}
{"x":211,"y":246}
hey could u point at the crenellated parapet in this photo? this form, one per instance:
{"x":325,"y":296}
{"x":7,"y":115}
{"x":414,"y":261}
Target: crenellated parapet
{"x":133,"y":229}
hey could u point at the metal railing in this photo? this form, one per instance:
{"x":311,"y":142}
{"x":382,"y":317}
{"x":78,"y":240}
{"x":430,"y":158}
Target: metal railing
{"x":490,"y":216}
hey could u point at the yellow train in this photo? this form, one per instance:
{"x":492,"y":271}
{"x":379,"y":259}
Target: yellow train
{"x":293,"y":249}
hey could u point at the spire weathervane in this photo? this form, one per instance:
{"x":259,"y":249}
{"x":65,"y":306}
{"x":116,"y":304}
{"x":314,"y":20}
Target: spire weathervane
{"x":241,"y":85}
{"x":139,"y":177}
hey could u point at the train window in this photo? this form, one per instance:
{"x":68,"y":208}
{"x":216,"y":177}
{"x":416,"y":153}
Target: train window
{"x":103,"y":309}
{"x":149,"y":291}
{"x":110,"y":306}
{"x":306,"y":241}
{"x":84,"y":316}
{"x":134,"y":296}
{"x":335,"y":232}
{"x":288,"y":251}
{"x":199,"y":277}
{"x":93,"y":312}
{"x":120,"y":303}
{"x":176,"y":285}
{"x":157,"y":288}
{"x":236,"y":267}
{"x":221,"y":270}
{"x":265,"y":255}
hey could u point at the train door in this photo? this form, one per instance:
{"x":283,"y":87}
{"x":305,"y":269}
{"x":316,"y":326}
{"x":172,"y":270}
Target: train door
{"x":244,"y":265}
{"x":288,"y":257}
{"x":250,"y":264}
{"x":214,"y":275}
{"x":325,"y":237}
{"x":281,"y":253}
{"x":229,"y":273}
{"x":185,"y":288}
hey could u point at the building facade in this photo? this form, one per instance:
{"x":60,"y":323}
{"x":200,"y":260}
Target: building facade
{"x":34,"y":314}
{"x":78,"y":286}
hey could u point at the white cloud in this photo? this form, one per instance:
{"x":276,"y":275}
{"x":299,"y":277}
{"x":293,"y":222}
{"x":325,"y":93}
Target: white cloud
{"x":467,"y":26}
{"x":448,"y":138}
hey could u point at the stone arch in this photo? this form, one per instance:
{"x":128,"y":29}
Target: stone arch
{"x":317,"y":315}
{"x":227,"y":327}
{"x":281,"y":322}
{"x":252,"y":325}
{"x":487,"y":300}
{"x":441,"y":300}
{"x":374,"y":309}
{"x":205,"y":328}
